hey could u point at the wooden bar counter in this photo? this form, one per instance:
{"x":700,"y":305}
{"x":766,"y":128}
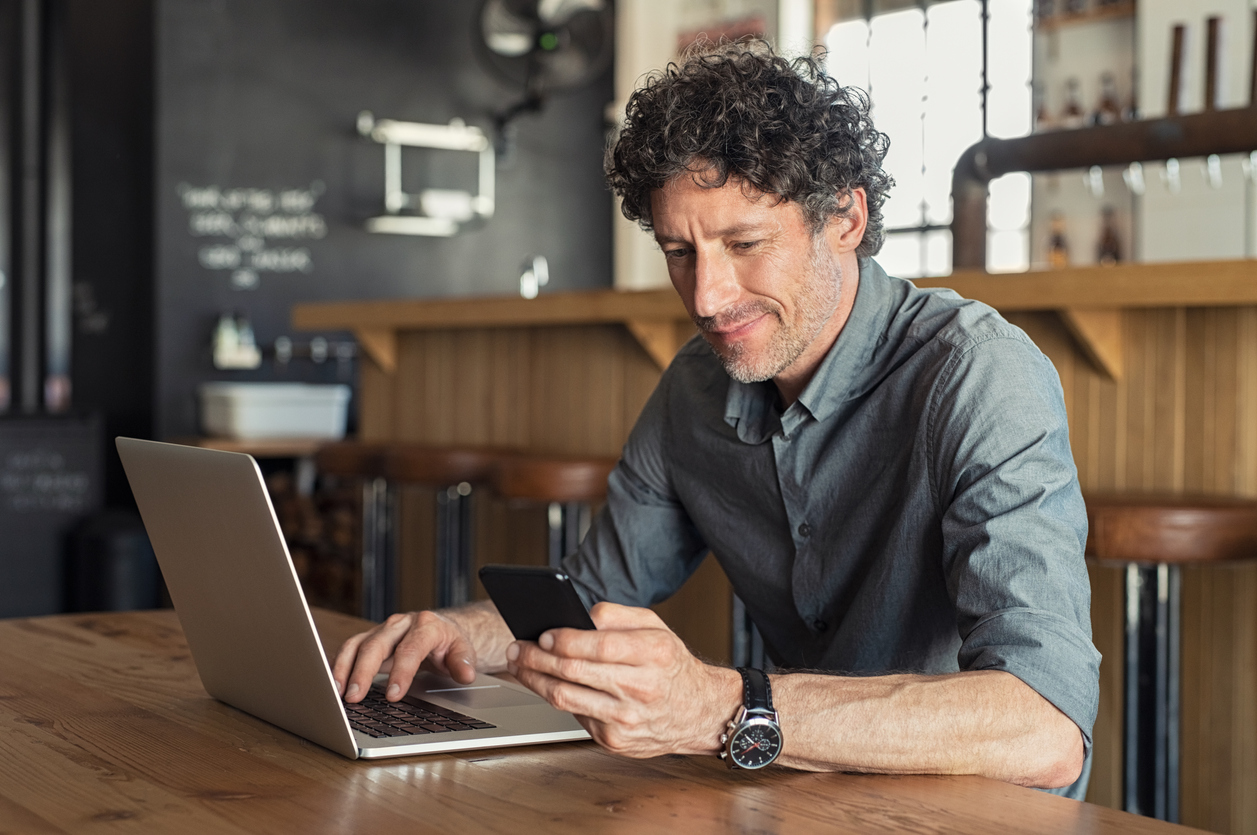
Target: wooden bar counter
{"x":106,"y":728}
{"x":1159,"y":368}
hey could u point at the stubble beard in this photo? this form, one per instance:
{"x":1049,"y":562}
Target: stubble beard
{"x":815,"y":303}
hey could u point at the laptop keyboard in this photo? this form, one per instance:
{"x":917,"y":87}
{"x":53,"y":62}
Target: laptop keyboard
{"x":379,"y":718}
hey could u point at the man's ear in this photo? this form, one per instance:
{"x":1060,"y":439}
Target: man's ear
{"x":846,"y":231}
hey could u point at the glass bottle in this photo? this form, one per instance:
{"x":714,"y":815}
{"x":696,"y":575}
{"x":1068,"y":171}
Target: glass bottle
{"x":1109,"y":111}
{"x":1109,"y":250}
{"x":1058,"y":244}
{"x":1042,"y":118}
{"x":1073,"y":115}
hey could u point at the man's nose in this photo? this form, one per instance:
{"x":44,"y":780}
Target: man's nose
{"x":715,"y":284}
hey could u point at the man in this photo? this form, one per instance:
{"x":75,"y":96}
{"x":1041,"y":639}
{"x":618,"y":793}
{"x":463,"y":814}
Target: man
{"x":883,"y":473}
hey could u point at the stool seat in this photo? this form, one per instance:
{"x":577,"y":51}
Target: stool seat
{"x":1171,"y":529}
{"x":553,"y":479}
{"x":441,"y":466}
{"x":351,"y":459}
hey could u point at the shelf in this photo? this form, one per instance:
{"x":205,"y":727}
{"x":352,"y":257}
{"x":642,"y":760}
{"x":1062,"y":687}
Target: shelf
{"x":262,"y":448}
{"x":1116,"y":11}
{"x":1090,"y":300}
{"x":656,"y":318}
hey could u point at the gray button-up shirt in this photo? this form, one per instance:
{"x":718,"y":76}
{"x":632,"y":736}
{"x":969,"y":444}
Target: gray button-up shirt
{"x":917,"y":509}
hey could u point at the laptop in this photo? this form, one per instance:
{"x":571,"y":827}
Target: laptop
{"x":210,"y":519}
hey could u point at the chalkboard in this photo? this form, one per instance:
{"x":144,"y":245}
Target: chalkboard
{"x":50,"y":480}
{"x":263,"y":184}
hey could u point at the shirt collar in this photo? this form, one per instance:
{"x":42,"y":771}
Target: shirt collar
{"x":751,"y":408}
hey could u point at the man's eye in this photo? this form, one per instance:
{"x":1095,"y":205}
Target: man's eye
{"x":676,"y":254}
{"x":745,"y":245}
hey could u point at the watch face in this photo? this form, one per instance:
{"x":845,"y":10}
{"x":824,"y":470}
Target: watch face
{"x":755,"y":744}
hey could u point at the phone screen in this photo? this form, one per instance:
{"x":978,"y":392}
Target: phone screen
{"x":534,"y":599}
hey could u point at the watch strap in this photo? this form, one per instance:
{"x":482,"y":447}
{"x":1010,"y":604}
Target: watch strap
{"x":756,"y":690}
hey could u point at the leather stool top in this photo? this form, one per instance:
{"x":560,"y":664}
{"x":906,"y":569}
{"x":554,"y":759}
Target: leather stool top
{"x":355,"y":459}
{"x":553,"y":479}
{"x":1171,"y":529}
{"x":439,"y":466}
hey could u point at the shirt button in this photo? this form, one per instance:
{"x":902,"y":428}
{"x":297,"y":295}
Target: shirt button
{"x":819,"y":625}
{"x":805,"y":529}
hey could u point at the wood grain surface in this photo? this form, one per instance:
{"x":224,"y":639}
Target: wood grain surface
{"x":106,"y":729}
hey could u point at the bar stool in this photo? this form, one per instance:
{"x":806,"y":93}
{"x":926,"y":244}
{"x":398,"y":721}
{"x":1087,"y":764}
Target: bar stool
{"x":569,"y":485}
{"x":365,"y":461}
{"x":1155,"y":536}
{"x":454,"y":472}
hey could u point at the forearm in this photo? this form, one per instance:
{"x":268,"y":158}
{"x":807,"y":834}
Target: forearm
{"x":489,"y":634}
{"x":983,"y":722}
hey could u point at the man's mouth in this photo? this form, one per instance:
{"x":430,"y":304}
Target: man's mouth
{"x":734,"y":324}
{"x":737,"y":329}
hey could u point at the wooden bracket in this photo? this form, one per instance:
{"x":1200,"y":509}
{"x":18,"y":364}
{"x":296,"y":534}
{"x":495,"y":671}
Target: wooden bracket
{"x":658,"y":337}
{"x":1099,"y":334}
{"x":381,"y":345}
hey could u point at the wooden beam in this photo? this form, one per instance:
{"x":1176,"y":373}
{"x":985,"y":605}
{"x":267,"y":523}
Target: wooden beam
{"x":1099,"y":334}
{"x":1191,"y":284}
{"x":573,"y":308}
{"x":658,"y":337}
{"x":380,"y":344}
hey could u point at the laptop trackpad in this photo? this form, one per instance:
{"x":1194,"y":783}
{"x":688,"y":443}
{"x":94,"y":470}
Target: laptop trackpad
{"x":483,"y":696}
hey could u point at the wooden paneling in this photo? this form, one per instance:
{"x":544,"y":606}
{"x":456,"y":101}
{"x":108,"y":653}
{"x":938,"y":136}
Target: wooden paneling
{"x":1219,"y":730}
{"x":1107,"y":595}
{"x":1183,"y":419}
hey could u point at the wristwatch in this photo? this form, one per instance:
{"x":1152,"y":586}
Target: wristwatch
{"x":754,"y":736}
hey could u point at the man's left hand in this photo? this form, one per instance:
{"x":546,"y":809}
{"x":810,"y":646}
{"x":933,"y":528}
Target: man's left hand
{"x":632,"y":683}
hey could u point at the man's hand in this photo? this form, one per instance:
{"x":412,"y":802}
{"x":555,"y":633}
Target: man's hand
{"x":398,"y":646}
{"x":632,"y":683}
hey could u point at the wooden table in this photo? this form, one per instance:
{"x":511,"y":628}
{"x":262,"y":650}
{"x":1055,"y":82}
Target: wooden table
{"x":104,"y":727}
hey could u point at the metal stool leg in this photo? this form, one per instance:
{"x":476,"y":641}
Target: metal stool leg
{"x":453,"y":545}
{"x":1151,"y":731}
{"x":569,"y":522}
{"x":379,"y":571}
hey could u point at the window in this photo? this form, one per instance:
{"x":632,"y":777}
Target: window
{"x":924,"y":69}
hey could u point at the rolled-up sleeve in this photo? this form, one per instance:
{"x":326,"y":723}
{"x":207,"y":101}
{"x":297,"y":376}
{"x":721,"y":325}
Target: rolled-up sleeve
{"x":643,"y":545}
{"x":1014,"y":523}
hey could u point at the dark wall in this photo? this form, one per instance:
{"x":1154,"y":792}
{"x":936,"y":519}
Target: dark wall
{"x":109,"y":49}
{"x":265,"y":94}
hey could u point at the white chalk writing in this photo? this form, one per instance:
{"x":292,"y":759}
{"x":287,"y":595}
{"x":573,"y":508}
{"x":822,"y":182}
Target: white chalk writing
{"x":252,"y":218}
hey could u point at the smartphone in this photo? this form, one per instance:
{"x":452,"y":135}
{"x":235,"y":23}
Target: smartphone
{"x":534,"y":599}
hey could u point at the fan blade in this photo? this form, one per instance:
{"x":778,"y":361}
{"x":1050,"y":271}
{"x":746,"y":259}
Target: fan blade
{"x":558,"y":12}
{"x":506,"y":32}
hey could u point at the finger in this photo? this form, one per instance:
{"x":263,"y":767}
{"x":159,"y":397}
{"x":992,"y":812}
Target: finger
{"x":345,"y":659}
{"x":569,"y":697}
{"x":372,"y":653}
{"x":409,"y":653}
{"x":614,"y":616}
{"x":436,"y":640}
{"x":592,"y":674}
{"x":623,"y":646}
{"x":460,"y":661}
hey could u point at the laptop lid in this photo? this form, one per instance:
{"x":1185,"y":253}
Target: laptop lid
{"x":226,"y":564}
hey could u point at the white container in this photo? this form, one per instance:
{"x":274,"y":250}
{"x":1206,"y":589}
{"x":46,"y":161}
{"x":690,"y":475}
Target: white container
{"x":250,"y":411}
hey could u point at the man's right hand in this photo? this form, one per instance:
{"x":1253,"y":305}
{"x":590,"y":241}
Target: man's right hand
{"x":398,"y":646}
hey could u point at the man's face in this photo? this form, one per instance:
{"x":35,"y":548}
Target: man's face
{"x":758,"y":284}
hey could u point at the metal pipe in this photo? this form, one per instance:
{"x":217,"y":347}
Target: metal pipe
{"x":28,"y":239}
{"x":1196,"y":135}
